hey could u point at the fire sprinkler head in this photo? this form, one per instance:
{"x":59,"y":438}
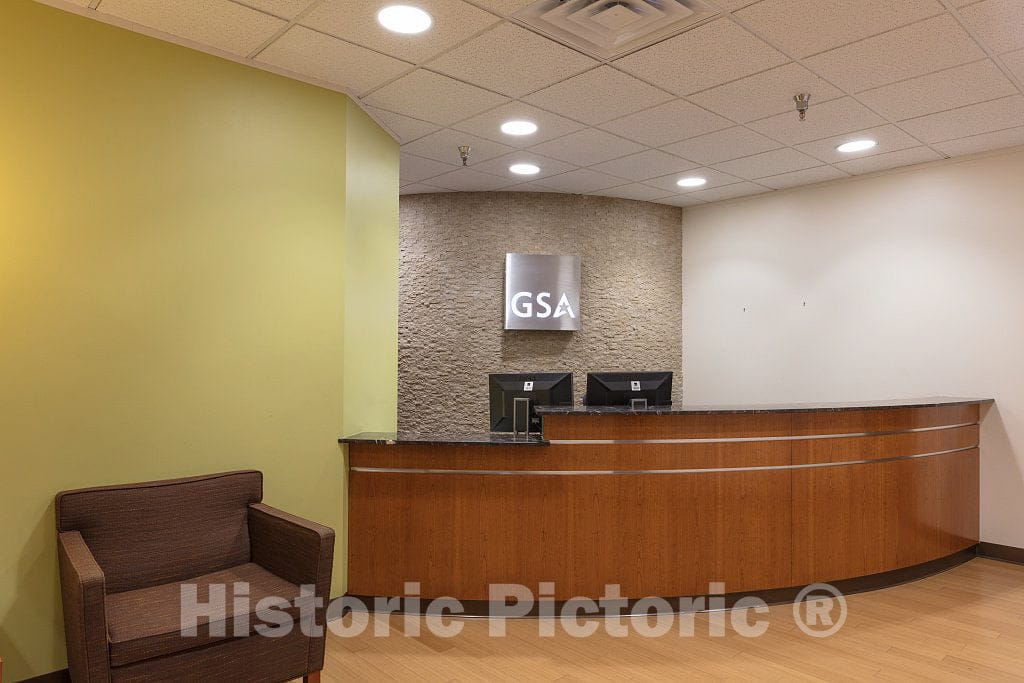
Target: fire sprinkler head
{"x":803,"y":103}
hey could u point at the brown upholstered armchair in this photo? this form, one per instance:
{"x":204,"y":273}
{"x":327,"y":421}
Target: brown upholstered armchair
{"x":126,"y":551}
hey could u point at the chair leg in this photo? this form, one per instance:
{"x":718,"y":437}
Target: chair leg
{"x":311,"y":678}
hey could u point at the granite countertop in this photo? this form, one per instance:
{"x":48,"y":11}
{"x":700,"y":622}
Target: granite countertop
{"x":506,"y":439}
{"x":494,"y":439}
{"x":698,"y":409}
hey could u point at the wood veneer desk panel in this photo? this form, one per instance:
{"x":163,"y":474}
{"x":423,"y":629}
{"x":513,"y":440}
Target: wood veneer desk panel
{"x":757,"y":500}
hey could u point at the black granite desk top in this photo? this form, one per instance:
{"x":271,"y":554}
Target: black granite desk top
{"x":505,"y":439}
{"x":495,"y":439}
{"x":698,"y":409}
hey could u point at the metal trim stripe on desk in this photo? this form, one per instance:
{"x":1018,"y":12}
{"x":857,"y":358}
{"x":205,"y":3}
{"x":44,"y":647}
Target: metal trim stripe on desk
{"x":755,"y":439}
{"x":565,"y":473}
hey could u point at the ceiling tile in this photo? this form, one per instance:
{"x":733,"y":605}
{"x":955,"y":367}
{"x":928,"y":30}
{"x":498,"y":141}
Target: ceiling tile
{"x":356,"y":21}
{"x":881,"y":162}
{"x":733,"y":191}
{"x":319,"y":55}
{"x":704,"y":57}
{"x":511,"y":60}
{"x":956,"y":87}
{"x":406,"y":128}
{"x":733,"y":5}
{"x":1015,"y":62}
{"x":805,"y":177}
{"x":499,"y":166}
{"x":889,"y":139}
{"x":286,"y":9}
{"x":581,"y":181}
{"x":764,"y":94}
{"x":681,"y":201}
{"x":824,"y":120}
{"x":598,"y":96}
{"x":444,"y":146}
{"x":714,"y":178}
{"x":999,"y":23}
{"x":802,"y":27}
{"x":470,"y":180}
{"x":768,"y":163}
{"x":984,"y":142}
{"x":433,"y":97}
{"x":915,"y":50}
{"x":644,"y":165}
{"x":666,"y":123}
{"x":503,"y":7}
{"x":414,"y":169}
{"x":549,"y":126}
{"x":643,"y":193}
{"x":986,"y":117}
{"x":417,"y":188}
{"x":588,"y":147}
{"x":529,"y":187}
{"x":217,"y":23}
{"x":723,"y":145}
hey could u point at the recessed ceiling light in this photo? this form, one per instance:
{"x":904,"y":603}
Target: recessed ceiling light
{"x":856,"y":146}
{"x":519,"y":127}
{"x":404,"y":19}
{"x":524,"y":169}
{"x":692,"y":181}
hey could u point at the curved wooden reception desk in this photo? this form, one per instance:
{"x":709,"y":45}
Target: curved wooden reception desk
{"x":664,"y":502}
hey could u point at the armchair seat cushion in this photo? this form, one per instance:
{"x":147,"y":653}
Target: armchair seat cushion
{"x":146,"y":623}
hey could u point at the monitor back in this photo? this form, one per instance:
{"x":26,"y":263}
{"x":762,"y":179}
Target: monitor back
{"x":618,"y":388}
{"x":542,"y":388}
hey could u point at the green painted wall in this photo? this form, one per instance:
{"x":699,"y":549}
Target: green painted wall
{"x":192,"y":259}
{"x":371,"y":272}
{"x":370,"y":367}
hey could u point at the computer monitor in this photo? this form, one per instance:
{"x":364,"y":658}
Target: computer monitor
{"x":541,"y":388}
{"x":620,"y":388}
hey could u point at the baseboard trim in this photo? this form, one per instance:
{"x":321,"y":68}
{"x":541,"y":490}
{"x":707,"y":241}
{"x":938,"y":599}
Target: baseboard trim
{"x":62,"y":676}
{"x":1003,"y":553}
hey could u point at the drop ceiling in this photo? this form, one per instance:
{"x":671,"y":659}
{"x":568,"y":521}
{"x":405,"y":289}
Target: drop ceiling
{"x":927,"y":79}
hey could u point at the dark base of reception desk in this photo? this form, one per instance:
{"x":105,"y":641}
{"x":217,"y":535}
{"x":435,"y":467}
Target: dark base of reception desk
{"x":670,"y":502}
{"x":682,"y":603}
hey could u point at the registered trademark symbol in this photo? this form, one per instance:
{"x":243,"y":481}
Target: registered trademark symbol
{"x":820,"y":610}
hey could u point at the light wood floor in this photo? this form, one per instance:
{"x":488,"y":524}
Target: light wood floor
{"x":967,"y":623}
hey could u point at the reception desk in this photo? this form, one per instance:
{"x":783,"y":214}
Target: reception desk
{"x":666,"y":501}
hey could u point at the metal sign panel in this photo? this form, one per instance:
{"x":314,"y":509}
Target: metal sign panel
{"x":542,"y":292}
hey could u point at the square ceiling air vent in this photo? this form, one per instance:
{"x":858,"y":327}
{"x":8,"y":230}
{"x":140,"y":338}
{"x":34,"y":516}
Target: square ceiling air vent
{"x":611,"y":28}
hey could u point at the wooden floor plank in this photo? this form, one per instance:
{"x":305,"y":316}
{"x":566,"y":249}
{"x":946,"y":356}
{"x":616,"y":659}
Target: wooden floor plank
{"x":966,"y":623}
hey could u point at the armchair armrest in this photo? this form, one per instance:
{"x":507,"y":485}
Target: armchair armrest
{"x":299,"y":551}
{"x":294,"y":548}
{"x":83,"y":591}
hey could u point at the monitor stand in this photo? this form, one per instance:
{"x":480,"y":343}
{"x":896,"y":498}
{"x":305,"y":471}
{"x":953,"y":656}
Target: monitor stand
{"x":638,"y":404}
{"x":521,"y":416}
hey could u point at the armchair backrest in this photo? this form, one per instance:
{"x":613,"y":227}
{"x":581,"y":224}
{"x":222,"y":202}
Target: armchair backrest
{"x":163,"y":531}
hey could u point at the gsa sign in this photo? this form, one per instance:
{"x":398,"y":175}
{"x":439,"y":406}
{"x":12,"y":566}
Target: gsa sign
{"x":542,"y":292}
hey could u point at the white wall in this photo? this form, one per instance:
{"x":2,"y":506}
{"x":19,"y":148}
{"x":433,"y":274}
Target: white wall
{"x":909,"y":283}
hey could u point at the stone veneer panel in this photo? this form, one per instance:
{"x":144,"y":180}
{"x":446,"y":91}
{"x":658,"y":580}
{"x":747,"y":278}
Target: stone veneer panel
{"x":451,"y":296}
